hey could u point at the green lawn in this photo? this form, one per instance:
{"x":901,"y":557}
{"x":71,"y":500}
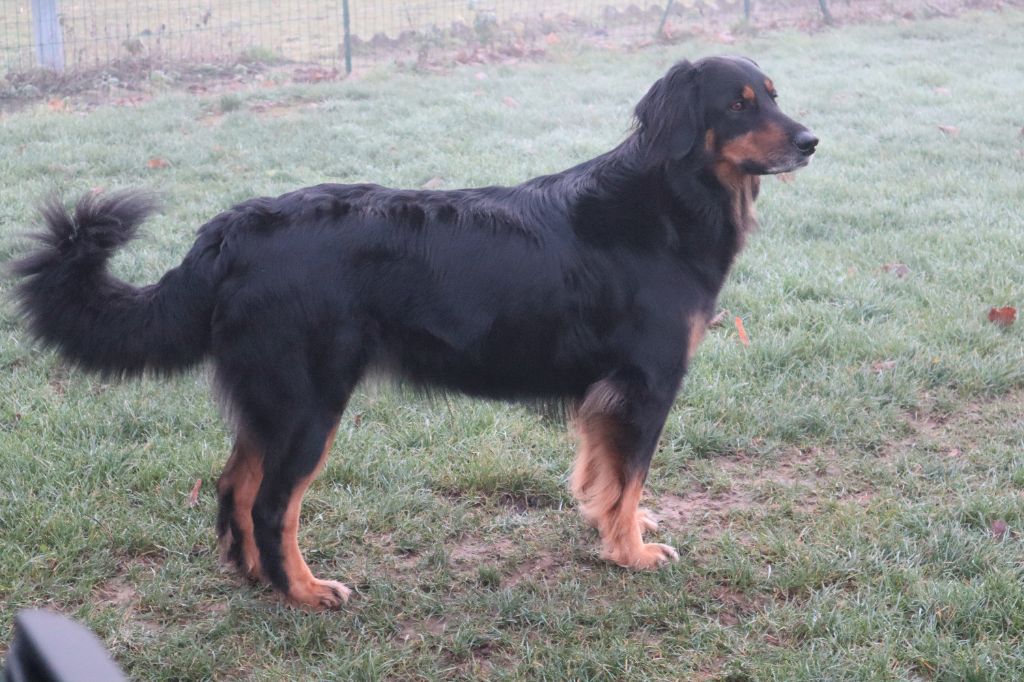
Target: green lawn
{"x":837,"y":490}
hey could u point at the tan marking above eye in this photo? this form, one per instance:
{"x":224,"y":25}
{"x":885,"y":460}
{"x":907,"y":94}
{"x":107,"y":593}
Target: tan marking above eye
{"x":748,"y":93}
{"x":769,"y":86}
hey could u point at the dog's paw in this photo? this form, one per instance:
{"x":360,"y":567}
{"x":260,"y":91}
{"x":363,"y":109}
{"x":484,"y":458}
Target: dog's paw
{"x":645,"y":518}
{"x":644,"y":556}
{"x":320,"y":594}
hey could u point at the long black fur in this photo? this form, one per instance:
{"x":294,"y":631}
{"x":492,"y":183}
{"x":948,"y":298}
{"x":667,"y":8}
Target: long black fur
{"x":588,"y":277}
{"x":72,"y":303}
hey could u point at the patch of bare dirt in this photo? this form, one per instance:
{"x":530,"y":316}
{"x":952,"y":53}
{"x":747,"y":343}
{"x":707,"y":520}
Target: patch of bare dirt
{"x":953,"y":434}
{"x":116,"y":592}
{"x":418,"y":630}
{"x":735,"y":607}
{"x":699,"y":509}
{"x":811,"y":474}
{"x":471,"y":553}
{"x":120,"y":592}
{"x":753,"y":483}
{"x":538,"y":568}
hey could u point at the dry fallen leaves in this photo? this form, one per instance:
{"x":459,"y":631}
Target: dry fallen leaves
{"x":952,"y":131}
{"x":1003,"y":317}
{"x":883,"y":366}
{"x":193,"y":496}
{"x":1000,"y":529}
{"x":901,"y":270}
{"x":510,"y":102}
{"x":433,"y":183}
{"x":744,"y":339}
{"x":718,"y":319}
{"x":156,"y":162}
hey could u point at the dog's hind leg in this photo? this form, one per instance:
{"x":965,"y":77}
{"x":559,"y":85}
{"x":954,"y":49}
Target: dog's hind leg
{"x":619,"y":423}
{"x":276,"y":516}
{"x":236,"y":489}
{"x":286,"y":396}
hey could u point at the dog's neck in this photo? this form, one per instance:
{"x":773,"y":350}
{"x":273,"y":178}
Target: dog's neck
{"x":698,"y":209}
{"x":742,"y":189}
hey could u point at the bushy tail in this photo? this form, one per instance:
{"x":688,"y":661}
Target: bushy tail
{"x":72,"y":303}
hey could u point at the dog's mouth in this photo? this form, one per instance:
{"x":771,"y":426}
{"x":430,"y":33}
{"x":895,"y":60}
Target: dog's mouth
{"x":786,"y":163}
{"x":788,"y":166}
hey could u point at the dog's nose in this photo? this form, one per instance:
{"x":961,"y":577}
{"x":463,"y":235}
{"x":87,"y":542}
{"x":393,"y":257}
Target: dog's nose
{"x":805,"y":141}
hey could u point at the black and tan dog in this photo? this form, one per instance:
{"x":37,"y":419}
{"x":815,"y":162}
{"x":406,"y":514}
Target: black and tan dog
{"x":590,"y":287}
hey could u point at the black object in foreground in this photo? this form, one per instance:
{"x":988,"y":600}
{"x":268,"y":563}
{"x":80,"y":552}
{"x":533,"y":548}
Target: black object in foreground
{"x":48,"y":647}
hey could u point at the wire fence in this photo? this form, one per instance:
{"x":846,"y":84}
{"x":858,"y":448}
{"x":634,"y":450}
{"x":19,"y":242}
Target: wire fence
{"x":89,"y":36}
{"x":79,"y":35}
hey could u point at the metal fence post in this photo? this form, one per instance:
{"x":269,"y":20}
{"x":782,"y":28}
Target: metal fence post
{"x":664,"y":18}
{"x":47,"y":35}
{"x":825,"y":13}
{"x":348,"y":36}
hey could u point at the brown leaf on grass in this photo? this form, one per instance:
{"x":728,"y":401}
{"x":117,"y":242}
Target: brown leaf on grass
{"x":1004,"y":316}
{"x":433,"y":183}
{"x":786,"y":177}
{"x":510,"y":102}
{"x":718,"y":319}
{"x":883,"y":366}
{"x":952,"y":131}
{"x":942,"y":91}
{"x":901,"y":270}
{"x":193,"y":496}
{"x":57,"y":104}
{"x":1000,"y":529}
{"x":156,"y":162}
{"x":744,"y":339}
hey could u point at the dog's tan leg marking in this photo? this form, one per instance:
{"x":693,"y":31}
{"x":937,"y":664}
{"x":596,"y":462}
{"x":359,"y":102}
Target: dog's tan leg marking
{"x":609,"y":499}
{"x":303,"y":587}
{"x":241,"y":478}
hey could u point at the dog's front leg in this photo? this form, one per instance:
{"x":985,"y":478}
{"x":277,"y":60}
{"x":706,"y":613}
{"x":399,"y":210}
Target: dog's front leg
{"x":619,"y":423}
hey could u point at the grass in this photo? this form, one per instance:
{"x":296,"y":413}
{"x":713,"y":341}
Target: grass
{"x":836,"y":490}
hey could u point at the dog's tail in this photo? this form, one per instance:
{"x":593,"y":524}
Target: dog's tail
{"x":71,"y":301}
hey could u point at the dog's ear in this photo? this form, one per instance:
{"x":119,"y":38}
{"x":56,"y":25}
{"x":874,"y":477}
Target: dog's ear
{"x":670,"y":117}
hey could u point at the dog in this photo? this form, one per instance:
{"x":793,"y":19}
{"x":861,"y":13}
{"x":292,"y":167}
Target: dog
{"x":591,"y":288}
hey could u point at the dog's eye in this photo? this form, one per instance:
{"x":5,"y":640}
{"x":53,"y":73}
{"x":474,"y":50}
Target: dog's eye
{"x":738,"y":105}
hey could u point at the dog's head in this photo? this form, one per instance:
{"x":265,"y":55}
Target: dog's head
{"x":722,"y":110}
